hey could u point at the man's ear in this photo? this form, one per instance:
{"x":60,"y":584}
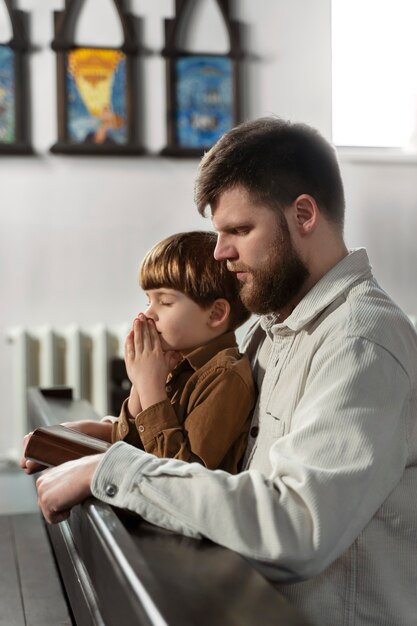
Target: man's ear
{"x":219,"y":312}
{"x":306,"y":213}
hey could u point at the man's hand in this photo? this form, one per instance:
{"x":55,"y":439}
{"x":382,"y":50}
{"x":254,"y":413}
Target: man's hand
{"x":60,"y":488}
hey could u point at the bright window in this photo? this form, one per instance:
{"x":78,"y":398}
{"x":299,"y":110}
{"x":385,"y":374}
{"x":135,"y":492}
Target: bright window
{"x":374,"y":56}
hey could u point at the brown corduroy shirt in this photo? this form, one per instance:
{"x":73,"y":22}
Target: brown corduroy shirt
{"x":207,"y":414}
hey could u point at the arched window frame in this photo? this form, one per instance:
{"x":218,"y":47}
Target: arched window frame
{"x":173,"y":52}
{"x":19,"y":47}
{"x":64,"y":42}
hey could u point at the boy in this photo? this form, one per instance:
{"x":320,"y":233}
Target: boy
{"x":192,"y":391}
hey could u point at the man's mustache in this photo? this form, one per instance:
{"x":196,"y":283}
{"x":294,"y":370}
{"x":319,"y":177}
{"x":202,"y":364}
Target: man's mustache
{"x":237,"y":267}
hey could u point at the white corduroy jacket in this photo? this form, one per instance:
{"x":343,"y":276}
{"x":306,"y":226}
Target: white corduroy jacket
{"x":327,"y":504}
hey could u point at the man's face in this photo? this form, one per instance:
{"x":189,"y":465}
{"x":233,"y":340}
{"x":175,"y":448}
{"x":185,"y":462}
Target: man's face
{"x":257,"y":245}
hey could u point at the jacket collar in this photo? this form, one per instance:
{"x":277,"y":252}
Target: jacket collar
{"x":355,"y":266}
{"x":202,"y":355}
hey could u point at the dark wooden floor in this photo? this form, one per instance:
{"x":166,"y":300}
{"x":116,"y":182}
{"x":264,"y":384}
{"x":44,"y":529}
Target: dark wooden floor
{"x":17,"y":491}
{"x":30,"y":589}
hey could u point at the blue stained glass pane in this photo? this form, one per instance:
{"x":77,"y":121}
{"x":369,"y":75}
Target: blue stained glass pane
{"x":96,"y":96}
{"x":7,"y":96}
{"x":204,"y":97}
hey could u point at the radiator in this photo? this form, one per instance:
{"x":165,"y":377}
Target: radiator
{"x":74,"y":356}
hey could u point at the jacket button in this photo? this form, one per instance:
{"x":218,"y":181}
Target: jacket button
{"x":141,"y":428}
{"x":111,"y":490}
{"x":254,"y":431}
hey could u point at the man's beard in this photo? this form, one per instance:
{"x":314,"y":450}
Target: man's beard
{"x":277,"y":282}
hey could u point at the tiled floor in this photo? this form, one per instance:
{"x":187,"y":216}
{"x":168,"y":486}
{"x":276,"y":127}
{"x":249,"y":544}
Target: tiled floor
{"x":17,"y":490}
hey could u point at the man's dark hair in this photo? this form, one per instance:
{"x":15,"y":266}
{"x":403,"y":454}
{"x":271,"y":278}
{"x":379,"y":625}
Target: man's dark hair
{"x":275,"y":161}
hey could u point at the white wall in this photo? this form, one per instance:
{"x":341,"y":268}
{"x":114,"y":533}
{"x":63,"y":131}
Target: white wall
{"x":382,"y":216}
{"x":73,"y":230}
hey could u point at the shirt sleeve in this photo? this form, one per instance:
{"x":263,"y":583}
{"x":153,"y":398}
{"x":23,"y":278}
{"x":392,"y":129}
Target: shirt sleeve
{"x":109,"y":418}
{"x":218,"y":415}
{"x":345,"y":453}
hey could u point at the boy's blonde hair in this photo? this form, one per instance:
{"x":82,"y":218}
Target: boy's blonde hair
{"x":185,"y":262}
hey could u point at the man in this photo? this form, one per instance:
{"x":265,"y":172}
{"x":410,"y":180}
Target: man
{"x":325,"y":505}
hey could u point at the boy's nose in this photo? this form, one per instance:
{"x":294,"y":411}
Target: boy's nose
{"x":150,"y":313}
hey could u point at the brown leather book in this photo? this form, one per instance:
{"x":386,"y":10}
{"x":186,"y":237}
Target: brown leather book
{"x":53,"y":445}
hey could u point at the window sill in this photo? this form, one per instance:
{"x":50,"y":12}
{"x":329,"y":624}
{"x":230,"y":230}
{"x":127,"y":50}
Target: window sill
{"x":396,"y":156}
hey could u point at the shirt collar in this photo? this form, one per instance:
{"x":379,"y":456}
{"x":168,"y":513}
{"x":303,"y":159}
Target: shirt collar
{"x":202,"y":355}
{"x":353,"y":267}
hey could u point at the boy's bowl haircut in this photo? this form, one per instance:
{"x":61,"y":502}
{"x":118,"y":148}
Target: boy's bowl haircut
{"x":185,"y":262}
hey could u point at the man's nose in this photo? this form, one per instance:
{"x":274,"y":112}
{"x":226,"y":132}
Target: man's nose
{"x":224,"y":250}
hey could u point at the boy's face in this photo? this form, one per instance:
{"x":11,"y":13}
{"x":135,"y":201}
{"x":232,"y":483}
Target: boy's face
{"x":182,"y":324}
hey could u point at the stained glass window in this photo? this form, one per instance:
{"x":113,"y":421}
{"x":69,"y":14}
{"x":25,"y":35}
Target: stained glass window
{"x":14,"y":86}
{"x":7,"y":95}
{"x":204,"y":99}
{"x":96,"y":96}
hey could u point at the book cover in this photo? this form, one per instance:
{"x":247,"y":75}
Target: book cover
{"x":53,"y":445}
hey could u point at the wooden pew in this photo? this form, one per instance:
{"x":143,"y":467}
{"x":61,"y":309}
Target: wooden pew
{"x":120,"y":570}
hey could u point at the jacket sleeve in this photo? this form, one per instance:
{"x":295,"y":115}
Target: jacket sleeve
{"x":218,"y":415}
{"x":124,"y":428}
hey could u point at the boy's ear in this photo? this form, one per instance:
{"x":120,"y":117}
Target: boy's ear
{"x":219,"y":312}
